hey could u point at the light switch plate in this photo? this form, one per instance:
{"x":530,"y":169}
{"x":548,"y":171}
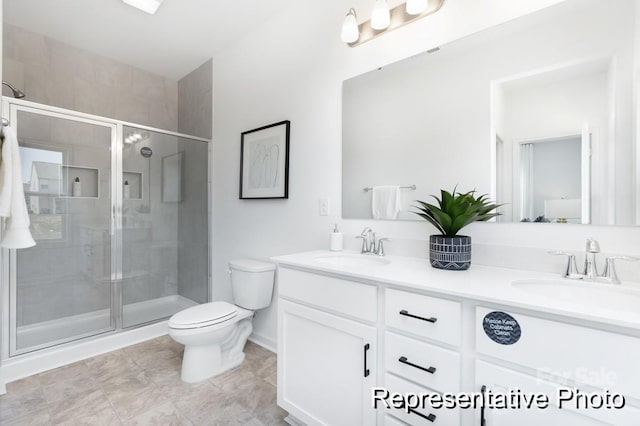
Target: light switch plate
{"x":323,"y":206}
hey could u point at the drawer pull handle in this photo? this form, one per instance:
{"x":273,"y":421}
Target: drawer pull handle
{"x":407,"y":314}
{"x":366,"y":370}
{"x":430,"y":417}
{"x":404,"y":360}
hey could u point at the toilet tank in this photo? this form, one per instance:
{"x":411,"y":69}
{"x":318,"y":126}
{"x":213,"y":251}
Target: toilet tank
{"x":252,"y":283}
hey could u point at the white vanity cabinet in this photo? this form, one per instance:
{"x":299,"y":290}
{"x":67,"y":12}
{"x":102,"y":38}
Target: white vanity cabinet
{"x":329,"y":358}
{"x":326,"y":360}
{"x":340,"y":334}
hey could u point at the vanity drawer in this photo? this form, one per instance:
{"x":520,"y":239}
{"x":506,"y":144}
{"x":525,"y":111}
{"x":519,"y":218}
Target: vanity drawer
{"x":597,"y":358}
{"x":347,"y":297}
{"x":499,"y":380}
{"x":424,"y":316}
{"x":441,"y":416}
{"x":443,"y":365}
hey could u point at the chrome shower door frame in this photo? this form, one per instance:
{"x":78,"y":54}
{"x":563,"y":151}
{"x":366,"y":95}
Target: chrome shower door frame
{"x":8,"y":258}
{"x":13,"y":107}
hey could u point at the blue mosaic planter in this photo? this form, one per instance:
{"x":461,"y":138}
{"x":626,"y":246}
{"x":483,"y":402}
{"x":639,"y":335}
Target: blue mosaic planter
{"x":451,"y":253}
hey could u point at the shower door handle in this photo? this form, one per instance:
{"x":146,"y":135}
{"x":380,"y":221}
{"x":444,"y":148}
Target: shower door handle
{"x":113,"y":220}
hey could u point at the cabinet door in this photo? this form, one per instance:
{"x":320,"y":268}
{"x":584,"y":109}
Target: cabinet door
{"x":501,"y":380}
{"x":326,"y":367}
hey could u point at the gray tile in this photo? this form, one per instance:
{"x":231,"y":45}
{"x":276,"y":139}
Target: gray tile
{"x":129,"y":404}
{"x":23,"y":386}
{"x":104,"y":417}
{"x":164,"y":414}
{"x":81,"y":406}
{"x":69,"y":389}
{"x":111,"y":366}
{"x":71,"y":61}
{"x":213,"y":407}
{"x":113,"y":74}
{"x":13,"y":73}
{"x":77,"y":370}
{"x":40,"y":417}
{"x":14,"y":406}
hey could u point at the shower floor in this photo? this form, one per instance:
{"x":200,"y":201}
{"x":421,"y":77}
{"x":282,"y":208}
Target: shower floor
{"x":52,"y":332}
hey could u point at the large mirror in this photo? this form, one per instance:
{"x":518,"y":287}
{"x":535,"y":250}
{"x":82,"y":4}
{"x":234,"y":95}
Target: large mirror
{"x":539,"y":113}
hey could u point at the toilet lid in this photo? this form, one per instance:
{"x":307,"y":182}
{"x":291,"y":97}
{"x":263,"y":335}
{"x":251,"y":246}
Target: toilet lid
{"x":203,"y":315}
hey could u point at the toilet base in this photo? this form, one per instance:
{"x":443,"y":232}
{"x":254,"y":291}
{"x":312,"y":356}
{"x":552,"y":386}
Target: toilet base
{"x":201,"y":362}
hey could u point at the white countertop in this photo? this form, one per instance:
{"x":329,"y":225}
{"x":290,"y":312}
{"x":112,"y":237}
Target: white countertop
{"x":480,"y":283}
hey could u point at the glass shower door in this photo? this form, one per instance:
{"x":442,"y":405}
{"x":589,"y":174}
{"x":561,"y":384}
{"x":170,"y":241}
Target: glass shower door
{"x":61,"y":288}
{"x":164,"y":225}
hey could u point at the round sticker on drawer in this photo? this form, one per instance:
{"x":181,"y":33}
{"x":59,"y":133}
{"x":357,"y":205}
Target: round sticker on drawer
{"x":501,"y":327}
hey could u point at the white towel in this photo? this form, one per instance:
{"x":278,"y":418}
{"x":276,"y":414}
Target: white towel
{"x":13,"y":207}
{"x":385,"y":202}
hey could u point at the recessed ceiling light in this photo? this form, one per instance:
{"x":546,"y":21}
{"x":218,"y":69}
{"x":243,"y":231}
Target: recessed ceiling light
{"x":149,"y":6}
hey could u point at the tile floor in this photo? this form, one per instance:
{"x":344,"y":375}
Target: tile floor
{"x":140,"y":385}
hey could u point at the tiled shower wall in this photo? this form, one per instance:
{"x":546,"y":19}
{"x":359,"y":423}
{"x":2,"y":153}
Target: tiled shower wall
{"x":195,"y":100}
{"x":54,"y":73}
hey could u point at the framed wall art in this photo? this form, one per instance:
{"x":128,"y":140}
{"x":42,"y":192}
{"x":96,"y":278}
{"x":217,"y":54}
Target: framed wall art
{"x":264,"y":162}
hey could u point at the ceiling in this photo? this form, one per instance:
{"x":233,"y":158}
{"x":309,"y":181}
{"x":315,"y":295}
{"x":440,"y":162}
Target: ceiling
{"x":182,"y":35}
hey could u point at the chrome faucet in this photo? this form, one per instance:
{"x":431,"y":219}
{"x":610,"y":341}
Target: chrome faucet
{"x":609,"y":275}
{"x":590,"y":266}
{"x":369,"y":244}
{"x":590,"y":271}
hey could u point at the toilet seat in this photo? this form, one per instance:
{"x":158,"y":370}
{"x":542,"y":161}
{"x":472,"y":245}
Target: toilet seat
{"x":203,"y":315}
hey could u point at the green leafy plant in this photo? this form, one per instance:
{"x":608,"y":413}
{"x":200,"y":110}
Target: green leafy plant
{"x":455,"y":210}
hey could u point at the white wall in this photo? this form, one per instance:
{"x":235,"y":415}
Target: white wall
{"x":292,"y":68}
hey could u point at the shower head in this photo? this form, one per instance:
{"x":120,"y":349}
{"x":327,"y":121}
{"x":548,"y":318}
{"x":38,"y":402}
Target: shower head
{"x":17,"y":93}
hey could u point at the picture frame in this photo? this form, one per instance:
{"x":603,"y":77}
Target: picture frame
{"x":172,"y":178}
{"x":264,"y":162}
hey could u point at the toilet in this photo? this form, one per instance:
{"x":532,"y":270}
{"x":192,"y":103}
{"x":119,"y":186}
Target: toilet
{"x":214,"y":334}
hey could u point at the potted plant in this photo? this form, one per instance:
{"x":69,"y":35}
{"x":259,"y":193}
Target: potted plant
{"x":454,"y":211}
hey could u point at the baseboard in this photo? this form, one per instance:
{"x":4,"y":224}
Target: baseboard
{"x":22,"y":366}
{"x":265,"y":342}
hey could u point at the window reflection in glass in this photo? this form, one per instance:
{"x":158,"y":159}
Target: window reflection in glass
{"x":42,"y":180}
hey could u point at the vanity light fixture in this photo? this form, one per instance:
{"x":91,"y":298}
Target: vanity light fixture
{"x":136,"y":137}
{"x":350,"y":32}
{"x":416,"y":7}
{"x":384,"y":20}
{"x":149,"y":6}
{"x":380,"y":17}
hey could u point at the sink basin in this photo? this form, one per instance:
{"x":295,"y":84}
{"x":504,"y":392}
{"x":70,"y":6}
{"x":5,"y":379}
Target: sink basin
{"x":597,"y":295}
{"x":346,"y":259}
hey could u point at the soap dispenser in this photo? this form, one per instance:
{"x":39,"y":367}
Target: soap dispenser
{"x":126,"y":190}
{"x":336,"y":239}
{"x":76,"y":189}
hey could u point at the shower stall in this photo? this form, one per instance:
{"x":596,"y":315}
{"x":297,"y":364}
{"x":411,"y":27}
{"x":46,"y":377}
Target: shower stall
{"x":120,"y":215}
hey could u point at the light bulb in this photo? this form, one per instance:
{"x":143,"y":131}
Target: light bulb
{"x":416,"y":7}
{"x":380,"y":17}
{"x":350,"y":32}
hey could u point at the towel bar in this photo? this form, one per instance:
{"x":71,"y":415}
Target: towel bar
{"x":412,"y":187}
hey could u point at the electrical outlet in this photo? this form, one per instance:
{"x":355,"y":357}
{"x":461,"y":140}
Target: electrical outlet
{"x":323,"y":206}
